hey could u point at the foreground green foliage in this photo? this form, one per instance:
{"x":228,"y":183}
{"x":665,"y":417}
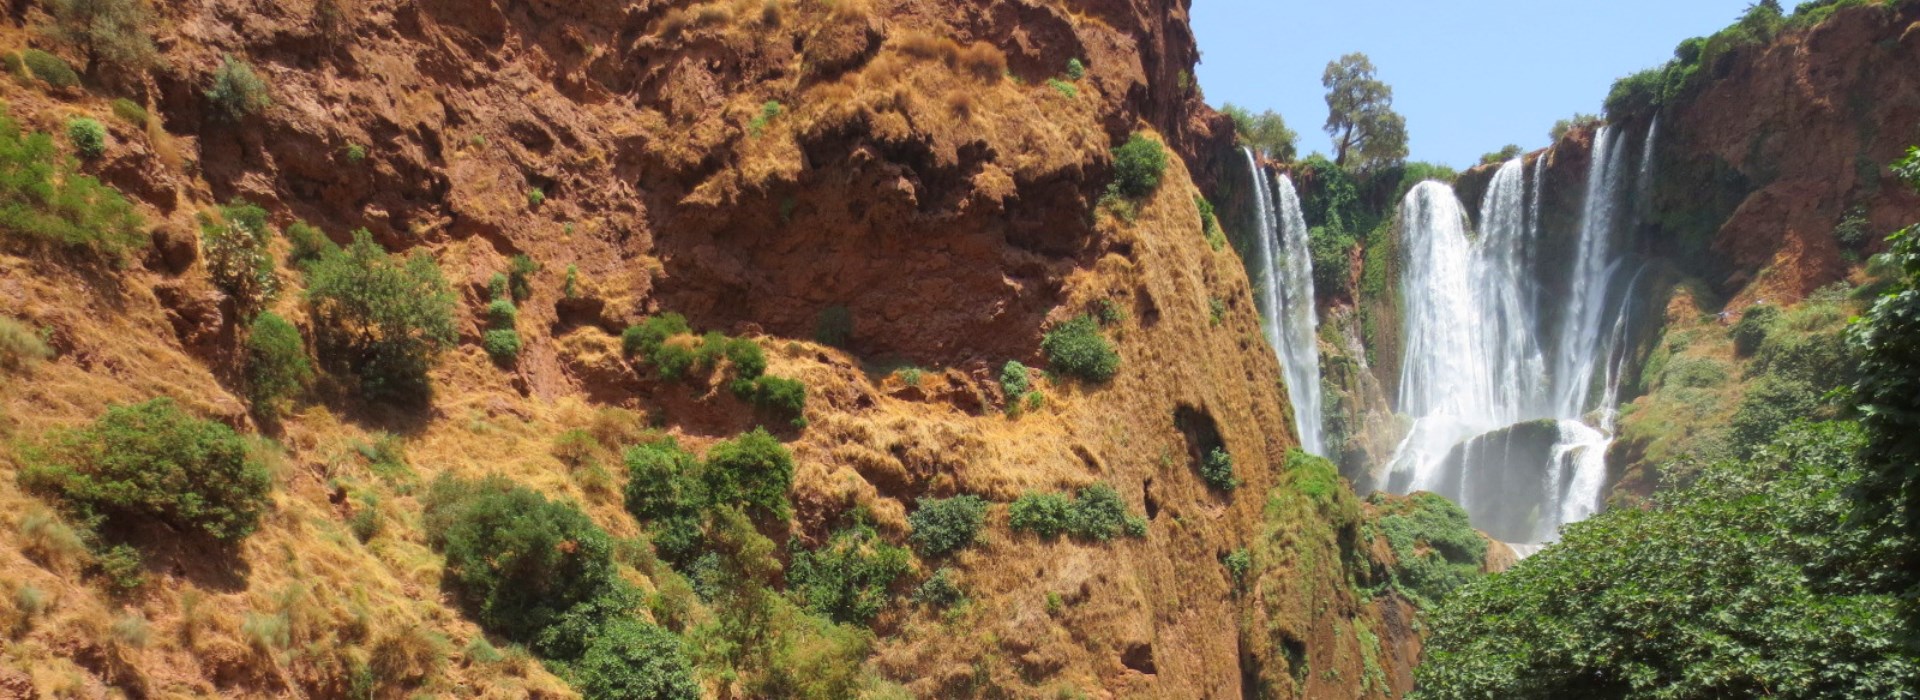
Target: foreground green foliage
{"x":633,"y":660}
{"x":1746,"y":584}
{"x":380,"y":316}
{"x":1887,"y":392}
{"x":151,"y":463}
{"x":44,"y":201}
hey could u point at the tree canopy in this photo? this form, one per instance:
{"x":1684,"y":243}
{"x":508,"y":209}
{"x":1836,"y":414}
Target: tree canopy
{"x":1265,"y":132}
{"x":1366,"y":132}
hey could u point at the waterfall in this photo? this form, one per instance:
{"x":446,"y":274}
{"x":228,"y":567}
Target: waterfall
{"x":1509,"y":420}
{"x":1286,"y":295}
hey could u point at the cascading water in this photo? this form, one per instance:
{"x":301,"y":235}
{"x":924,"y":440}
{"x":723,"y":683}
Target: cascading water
{"x":1510,"y":421}
{"x":1287,"y":307}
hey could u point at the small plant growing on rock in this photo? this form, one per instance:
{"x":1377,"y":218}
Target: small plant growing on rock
{"x":237,"y":90}
{"x":1075,"y":69}
{"x":1238,"y":565}
{"x":536,"y":197}
{"x":1217,"y":470}
{"x":89,"y":137}
{"x":1066,"y":89}
{"x":941,"y":590}
{"x":1138,"y":166}
{"x":356,"y":153}
{"x":768,"y":112}
{"x":1014,"y":381}
{"x":1078,"y":349}
{"x":235,"y":244}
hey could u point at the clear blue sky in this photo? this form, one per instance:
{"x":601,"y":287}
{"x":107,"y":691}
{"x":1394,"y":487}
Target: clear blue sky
{"x":1470,"y":76}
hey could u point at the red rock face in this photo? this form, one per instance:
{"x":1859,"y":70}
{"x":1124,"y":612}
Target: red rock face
{"x":1810,"y":122}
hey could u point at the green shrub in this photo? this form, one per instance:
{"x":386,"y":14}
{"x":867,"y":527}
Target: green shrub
{"x":356,"y":153}
{"x":1075,"y":69}
{"x":1770,"y":405}
{"x":515,"y":559}
{"x":1435,"y":548}
{"x":667,"y":492}
{"x":503,"y":345}
{"x":113,"y":32}
{"x":277,"y":366}
{"x":130,"y":112}
{"x":384,"y":317}
{"x":536,"y":197}
{"x":1753,"y":328}
{"x":11,"y":62}
{"x":942,"y":526}
{"x":20,"y":346}
{"x":122,"y":567}
{"x":51,"y":69}
{"x":151,"y":462}
{"x":784,"y":398}
{"x":42,"y":199}
{"x":647,"y":337}
{"x":1578,"y":122}
{"x":501,"y":313}
{"x":520,"y":273}
{"x":1098,"y":514}
{"x":1210,"y":223}
{"x":834,"y":327}
{"x":1043,"y":514}
{"x":235,"y":245}
{"x":753,"y":469}
{"x":1077,"y":348}
{"x":1064,"y":88}
{"x":633,"y":660}
{"x":307,"y":244}
{"x":672,"y":361}
{"x":1506,"y":153}
{"x":940,"y":590}
{"x":849,"y":579}
{"x":237,"y":90}
{"x":1138,"y":165}
{"x":1239,"y":563}
{"x":1014,"y":381}
{"x":746,"y":358}
{"x":89,"y":137}
{"x":1217,"y":470}
{"x":1332,"y":253}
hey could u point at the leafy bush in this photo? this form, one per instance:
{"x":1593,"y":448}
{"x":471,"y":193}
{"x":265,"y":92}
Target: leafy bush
{"x":1095,"y":513}
{"x":277,"y":366}
{"x":1138,"y":165}
{"x":1753,"y":328}
{"x":385,"y":317}
{"x":520,"y":273}
{"x":633,"y":660}
{"x":503,"y":345}
{"x":940,"y":590}
{"x":1238,"y":563}
{"x":1266,"y":132}
{"x":20,"y":346}
{"x":1078,"y":349}
{"x":234,"y":244}
{"x":1332,"y":253}
{"x":42,"y":199}
{"x":1217,"y":470}
{"x":1043,"y":514}
{"x":1063,"y":88}
{"x":667,"y":492}
{"x":1578,"y":122}
{"x":238,"y":91}
{"x":1075,"y":69}
{"x":1435,"y":548}
{"x":1770,"y":405}
{"x":849,"y":579}
{"x":152,"y":462}
{"x":753,"y":469}
{"x":1507,"y":153}
{"x":942,"y":526}
{"x":114,"y":32}
{"x":785,"y":398}
{"x":1751,"y":582}
{"x":514,"y":558}
{"x":130,"y":112}
{"x":307,"y":244}
{"x":746,"y":358}
{"x":89,"y":137}
{"x":50,"y":68}
{"x":1014,"y":381}
{"x":646,"y":338}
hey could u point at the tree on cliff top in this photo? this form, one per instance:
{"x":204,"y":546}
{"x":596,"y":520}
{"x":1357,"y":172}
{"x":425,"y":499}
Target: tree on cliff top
{"x":1265,"y":132}
{"x":1366,"y":132}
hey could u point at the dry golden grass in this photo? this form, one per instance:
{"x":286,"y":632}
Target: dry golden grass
{"x":927,"y":47}
{"x":983,"y":61}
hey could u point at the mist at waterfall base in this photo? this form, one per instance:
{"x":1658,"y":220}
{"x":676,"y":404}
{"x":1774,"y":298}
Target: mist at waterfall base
{"x":1514,"y":407}
{"x":1286,"y":301}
